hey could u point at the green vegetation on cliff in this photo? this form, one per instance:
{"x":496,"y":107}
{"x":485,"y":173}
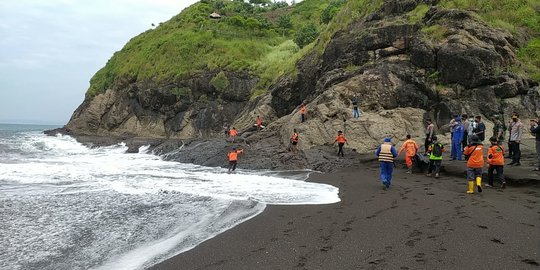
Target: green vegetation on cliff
{"x":267,"y":40}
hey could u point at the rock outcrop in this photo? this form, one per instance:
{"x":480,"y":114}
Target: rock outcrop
{"x":403,"y":72}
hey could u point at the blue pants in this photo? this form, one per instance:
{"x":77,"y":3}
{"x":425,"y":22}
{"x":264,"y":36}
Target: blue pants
{"x":387,"y":168}
{"x":456,"y":150}
{"x":356,"y":112}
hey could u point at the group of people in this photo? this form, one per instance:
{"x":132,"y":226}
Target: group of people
{"x":467,"y":141}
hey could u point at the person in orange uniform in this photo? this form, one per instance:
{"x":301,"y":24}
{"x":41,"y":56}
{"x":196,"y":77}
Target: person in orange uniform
{"x":233,"y":158}
{"x":294,"y":140}
{"x":259,"y":122}
{"x":410,"y":147}
{"x":495,"y":160}
{"x":341,"y":140}
{"x":303,"y":112}
{"x":475,"y":152}
{"x":232,"y":134}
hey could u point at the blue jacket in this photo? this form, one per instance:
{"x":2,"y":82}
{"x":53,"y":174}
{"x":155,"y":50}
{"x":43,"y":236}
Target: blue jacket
{"x":393,"y":149}
{"x":458,"y":132}
{"x":536,"y":132}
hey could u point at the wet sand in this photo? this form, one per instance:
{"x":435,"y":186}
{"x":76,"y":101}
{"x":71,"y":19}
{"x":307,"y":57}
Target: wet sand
{"x":419,"y":223}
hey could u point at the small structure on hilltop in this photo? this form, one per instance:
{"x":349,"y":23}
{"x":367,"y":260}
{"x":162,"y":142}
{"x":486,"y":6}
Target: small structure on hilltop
{"x":215,"y":16}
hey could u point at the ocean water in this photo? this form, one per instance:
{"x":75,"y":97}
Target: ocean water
{"x":66,"y":206}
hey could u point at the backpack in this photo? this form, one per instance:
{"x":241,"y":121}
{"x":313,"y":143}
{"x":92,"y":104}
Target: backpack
{"x":437,"y":150}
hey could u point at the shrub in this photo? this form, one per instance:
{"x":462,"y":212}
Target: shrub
{"x":306,"y":35}
{"x":220,"y":81}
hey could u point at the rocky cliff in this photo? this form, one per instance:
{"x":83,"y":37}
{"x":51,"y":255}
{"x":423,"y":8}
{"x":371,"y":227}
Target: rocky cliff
{"x":408,"y":61}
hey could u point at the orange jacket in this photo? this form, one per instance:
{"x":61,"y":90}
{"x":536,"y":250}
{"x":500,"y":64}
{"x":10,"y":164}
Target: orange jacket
{"x":495,"y":155}
{"x":233,"y":132}
{"x":476,"y":159}
{"x":259,"y":122}
{"x":233,"y":155}
{"x":410,"y":148}
{"x":294,"y":137}
{"x":341,"y":138}
{"x":303,"y":109}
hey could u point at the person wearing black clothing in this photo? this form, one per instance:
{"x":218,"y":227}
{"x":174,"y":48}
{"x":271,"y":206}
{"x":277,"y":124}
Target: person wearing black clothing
{"x":535,"y":130}
{"x":480,"y":129}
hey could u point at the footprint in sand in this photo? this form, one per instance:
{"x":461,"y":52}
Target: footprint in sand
{"x":497,"y":241}
{"x":482,"y":227}
{"x":531,"y":262}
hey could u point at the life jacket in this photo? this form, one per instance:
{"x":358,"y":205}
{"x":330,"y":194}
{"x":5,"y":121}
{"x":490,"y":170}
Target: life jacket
{"x":496,"y":155}
{"x":294,"y":137}
{"x":386,"y":153}
{"x":233,"y":132}
{"x":341,"y":138}
{"x":303,"y":109}
{"x":233,"y":155}
{"x":476,"y":156}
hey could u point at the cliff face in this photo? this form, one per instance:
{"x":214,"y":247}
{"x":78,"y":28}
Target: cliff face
{"x":403,"y":70}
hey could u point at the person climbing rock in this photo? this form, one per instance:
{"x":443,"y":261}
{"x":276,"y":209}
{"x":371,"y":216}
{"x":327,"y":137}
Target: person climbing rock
{"x":495,"y":159}
{"x":233,"y":158}
{"x":294,"y":141}
{"x":475,"y":163}
{"x":435,"y":152}
{"x":341,"y":140}
{"x":356,"y":111}
{"x":259,"y":122}
{"x":410,"y":147}
{"x":232,"y":134}
{"x":303,"y":111}
{"x":386,"y":153}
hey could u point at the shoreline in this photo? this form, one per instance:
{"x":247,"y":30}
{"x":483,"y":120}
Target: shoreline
{"x":419,"y":223}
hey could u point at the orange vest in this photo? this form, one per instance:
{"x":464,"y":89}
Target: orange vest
{"x":303,"y":109}
{"x":259,"y":122}
{"x":341,"y":138}
{"x":476,"y":158}
{"x":233,"y":132}
{"x":233,"y":155}
{"x":497,"y":155}
{"x":295,"y":137}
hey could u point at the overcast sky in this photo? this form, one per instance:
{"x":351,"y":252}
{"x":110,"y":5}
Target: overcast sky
{"x":49,"y":50}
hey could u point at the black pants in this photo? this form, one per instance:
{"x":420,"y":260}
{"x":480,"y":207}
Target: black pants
{"x":516,"y":152}
{"x":434,"y":165}
{"x":340,"y":149}
{"x":500,"y":173}
{"x":464,"y":143}
{"x":510,"y":150}
{"x":232,"y":165}
{"x":303,"y":118}
{"x":427,"y":143}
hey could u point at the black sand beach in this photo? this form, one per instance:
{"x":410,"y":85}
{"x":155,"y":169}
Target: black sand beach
{"x":419,"y":223}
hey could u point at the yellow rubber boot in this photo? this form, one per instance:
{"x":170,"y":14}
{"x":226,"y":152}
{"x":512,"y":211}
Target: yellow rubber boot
{"x":479,"y":183}
{"x":471,"y":187}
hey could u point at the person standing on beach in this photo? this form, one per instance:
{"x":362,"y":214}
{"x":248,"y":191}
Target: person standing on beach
{"x":294,"y":141}
{"x":498,"y":129}
{"x":451,"y":125}
{"x":429,"y":134}
{"x":356,"y":111}
{"x":516,"y":134}
{"x":480,"y":128}
{"x":457,"y":139}
{"x":470,"y":130}
{"x":435,"y":151}
{"x":495,"y":158}
{"x":386,"y":153}
{"x":510,"y":149}
{"x":535,"y":129}
{"x":233,"y":158}
{"x":465,"y":140}
{"x":303,"y":111}
{"x":475,"y":163}
{"x":341,"y":140}
{"x":232,"y":134}
{"x":410,"y":148}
